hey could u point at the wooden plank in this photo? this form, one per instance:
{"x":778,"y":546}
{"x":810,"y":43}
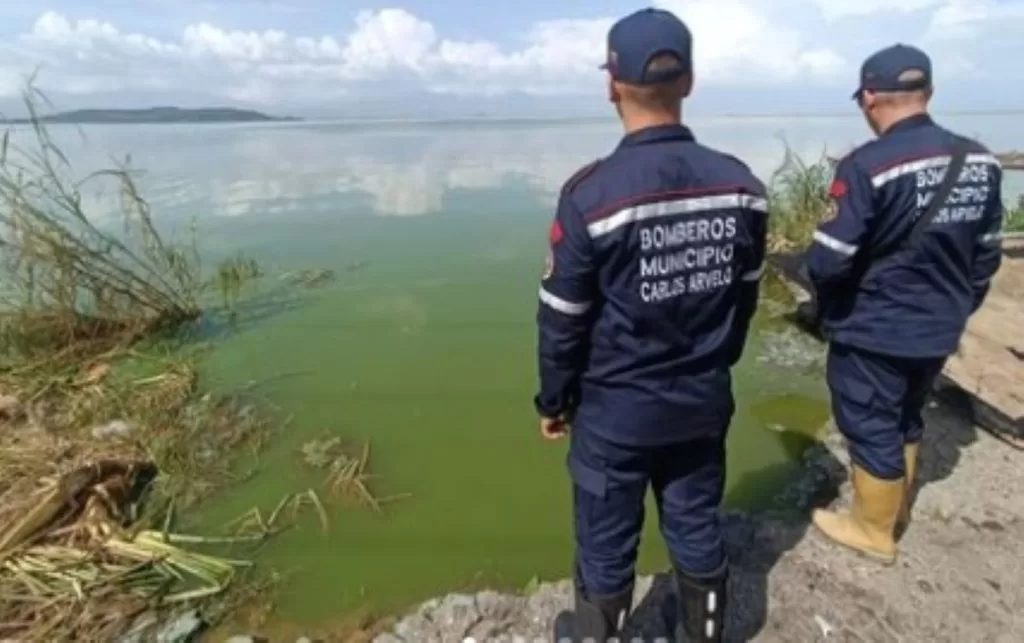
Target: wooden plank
{"x":989,"y":365}
{"x":991,"y":372}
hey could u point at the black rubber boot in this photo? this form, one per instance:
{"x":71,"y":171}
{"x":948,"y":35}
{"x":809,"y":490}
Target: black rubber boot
{"x":595,"y":619}
{"x":700,"y":606}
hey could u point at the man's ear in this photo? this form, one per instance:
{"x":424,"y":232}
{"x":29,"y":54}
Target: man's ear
{"x":868,"y":100}
{"x":687,"y":85}
{"x":613,"y":91}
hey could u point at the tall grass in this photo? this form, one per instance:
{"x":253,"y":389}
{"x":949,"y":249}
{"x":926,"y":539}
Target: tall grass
{"x":798,"y":200}
{"x":68,"y":284}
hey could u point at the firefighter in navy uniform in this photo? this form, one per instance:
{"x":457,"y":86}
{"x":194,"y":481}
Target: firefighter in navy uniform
{"x":892,"y":304}
{"x":656,"y":253}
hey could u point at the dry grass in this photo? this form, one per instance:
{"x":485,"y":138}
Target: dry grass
{"x":105,"y":435}
{"x":70,"y":286}
{"x":100,"y":439}
{"x":90,"y":465}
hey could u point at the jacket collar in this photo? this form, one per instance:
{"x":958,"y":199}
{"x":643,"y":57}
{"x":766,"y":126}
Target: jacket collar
{"x":909,"y":123}
{"x":657,"y":134}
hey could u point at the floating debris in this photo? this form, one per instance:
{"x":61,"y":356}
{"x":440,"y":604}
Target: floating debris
{"x":294,"y":502}
{"x":791,"y":348}
{"x":310,"y":278}
{"x":347,"y":473}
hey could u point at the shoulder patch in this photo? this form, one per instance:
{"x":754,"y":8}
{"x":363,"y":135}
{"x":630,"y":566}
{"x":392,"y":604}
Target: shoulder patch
{"x":579,"y":175}
{"x":555,"y":233}
{"x":838,"y":189}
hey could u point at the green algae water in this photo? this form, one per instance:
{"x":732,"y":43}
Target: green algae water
{"x":424,"y":342}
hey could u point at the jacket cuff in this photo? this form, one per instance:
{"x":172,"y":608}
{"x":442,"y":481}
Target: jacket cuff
{"x":546,"y":407}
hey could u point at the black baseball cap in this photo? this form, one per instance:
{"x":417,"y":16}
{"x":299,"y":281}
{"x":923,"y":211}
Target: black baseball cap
{"x":899,"y":68}
{"x":638,"y":38}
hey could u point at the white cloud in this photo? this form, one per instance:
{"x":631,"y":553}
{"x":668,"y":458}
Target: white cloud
{"x":838,"y":9}
{"x":734,"y":40}
{"x":737,"y":42}
{"x":976,"y":39}
{"x":385,"y":39}
{"x":971,"y":19}
{"x":555,"y":56}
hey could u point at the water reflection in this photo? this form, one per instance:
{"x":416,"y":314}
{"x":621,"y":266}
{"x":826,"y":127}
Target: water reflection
{"x":403,"y":170}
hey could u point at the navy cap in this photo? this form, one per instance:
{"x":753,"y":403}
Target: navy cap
{"x":638,"y":38}
{"x":900,"y":68}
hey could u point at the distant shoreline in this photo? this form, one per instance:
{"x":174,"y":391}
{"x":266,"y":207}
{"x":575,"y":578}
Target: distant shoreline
{"x":175,"y":115}
{"x":153,"y":115}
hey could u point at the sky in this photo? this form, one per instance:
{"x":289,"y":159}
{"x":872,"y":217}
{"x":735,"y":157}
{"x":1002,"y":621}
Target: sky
{"x":453,"y":58}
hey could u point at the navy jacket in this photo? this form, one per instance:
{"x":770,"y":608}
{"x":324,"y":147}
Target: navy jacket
{"x":879,"y":293}
{"x":656,"y":253}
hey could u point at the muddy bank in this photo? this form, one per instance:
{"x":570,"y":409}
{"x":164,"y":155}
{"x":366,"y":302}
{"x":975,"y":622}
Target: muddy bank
{"x":960,"y":575}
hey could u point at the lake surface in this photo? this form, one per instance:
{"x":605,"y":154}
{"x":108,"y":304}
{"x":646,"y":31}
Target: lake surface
{"x":425,"y":342}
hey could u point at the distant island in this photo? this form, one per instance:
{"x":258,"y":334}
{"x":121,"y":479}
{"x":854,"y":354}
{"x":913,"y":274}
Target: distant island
{"x":155,"y":115}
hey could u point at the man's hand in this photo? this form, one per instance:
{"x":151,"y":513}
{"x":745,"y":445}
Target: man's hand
{"x":553,"y":428}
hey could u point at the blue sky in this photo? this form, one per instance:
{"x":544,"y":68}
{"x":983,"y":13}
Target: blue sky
{"x":456,"y":57}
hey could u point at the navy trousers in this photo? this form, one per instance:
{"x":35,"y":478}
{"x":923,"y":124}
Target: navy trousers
{"x":877,"y":402}
{"x":610,"y":483}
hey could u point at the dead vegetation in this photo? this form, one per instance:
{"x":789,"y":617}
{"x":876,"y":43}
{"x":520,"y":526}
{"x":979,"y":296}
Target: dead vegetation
{"x":102,"y":426}
{"x":105,"y":434}
{"x":91,"y":464}
{"x":347,"y":470}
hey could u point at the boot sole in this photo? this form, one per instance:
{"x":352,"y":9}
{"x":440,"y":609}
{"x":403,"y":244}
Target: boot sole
{"x":886,"y":559}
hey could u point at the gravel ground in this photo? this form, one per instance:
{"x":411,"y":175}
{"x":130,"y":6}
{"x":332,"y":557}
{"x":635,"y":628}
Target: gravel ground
{"x":959,"y":578}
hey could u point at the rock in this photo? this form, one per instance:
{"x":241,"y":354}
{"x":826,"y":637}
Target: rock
{"x":182,"y":628}
{"x":457,"y":614}
{"x":415,"y":628}
{"x":494,"y":606}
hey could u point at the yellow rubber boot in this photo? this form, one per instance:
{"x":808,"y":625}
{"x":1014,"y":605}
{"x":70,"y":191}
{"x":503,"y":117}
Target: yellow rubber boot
{"x":910,"y":463}
{"x":869,"y":528}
